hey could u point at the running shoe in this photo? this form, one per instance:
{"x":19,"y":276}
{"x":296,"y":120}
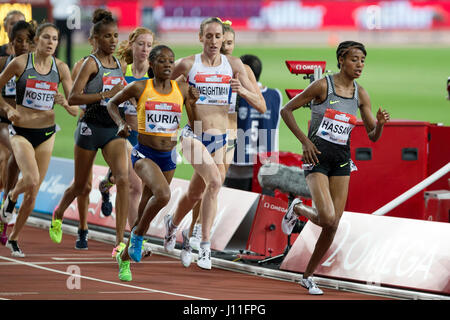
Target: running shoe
{"x":7,"y":209}
{"x":204,"y":257}
{"x":311,"y":286}
{"x":170,"y":238}
{"x":15,"y":250}
{"x":135,"y":247}
{"x":124,"y":269}
{"x":290,"y":218}
{"x":104,"y":187}
{"x":146,"y":251}
{"x":55,"y":230}
{"x":196,"y":237}
{"x":186,"y":250}
{"x":3,"y":235}
{"x":118,"y":249}
{"x":82,"y":241}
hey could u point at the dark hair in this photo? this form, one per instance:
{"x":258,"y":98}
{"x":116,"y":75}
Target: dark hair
{"x":156,"y":51}
{"x":254,"y":63}
{"x":344,"y":48}
{"x":100,"y":18}
{"x":23,"y":25}
{"x":43,"y":26}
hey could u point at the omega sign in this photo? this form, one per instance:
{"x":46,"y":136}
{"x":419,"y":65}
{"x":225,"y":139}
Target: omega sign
{"x":388,"y":251}
{"x":305,"y":67}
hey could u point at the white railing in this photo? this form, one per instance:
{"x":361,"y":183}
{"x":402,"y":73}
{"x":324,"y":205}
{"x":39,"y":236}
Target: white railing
{"x":411,"y":192}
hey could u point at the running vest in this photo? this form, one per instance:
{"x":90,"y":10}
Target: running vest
{"x":213,"y":83}
{"x":104,"y":80}
{"x":129,"y":75}
{"x":9,"y":90}
{"x":37,"y":91}
{"x":159,"y":114}
{"x":129,"y":78}
{"x":334,"y":119}
{"x":260,"y":130}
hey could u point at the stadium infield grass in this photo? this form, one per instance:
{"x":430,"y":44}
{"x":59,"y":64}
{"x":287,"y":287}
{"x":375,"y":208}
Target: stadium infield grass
{"x":408,"y":82}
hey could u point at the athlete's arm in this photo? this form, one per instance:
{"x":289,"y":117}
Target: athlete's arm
{"x":76,"y":95}
{"x":182,"y":67}
{"x":374,"y":126}
{"x":244,"y":87}
{"x":313,"y":91}
{"x":14,"y":68}
{"x":132,"y":90}
{"x":66,"y":81}
{"x":190,"y":96}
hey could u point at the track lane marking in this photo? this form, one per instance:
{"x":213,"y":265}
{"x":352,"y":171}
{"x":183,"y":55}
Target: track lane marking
{"x":29,"y":264}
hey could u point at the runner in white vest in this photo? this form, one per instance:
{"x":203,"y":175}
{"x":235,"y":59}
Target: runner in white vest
{"x":204,"y":142}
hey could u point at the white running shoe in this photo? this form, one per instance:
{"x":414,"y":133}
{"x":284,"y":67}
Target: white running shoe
{"x":311,"y":286}
{"x":7,"y":210}
{"x":186,"y":250}
{"x":196,"y":238}
{"x":290,"y":218}
{"x":171,"y":237}
{"x":204,"y":257}
{"x":15,"y":250}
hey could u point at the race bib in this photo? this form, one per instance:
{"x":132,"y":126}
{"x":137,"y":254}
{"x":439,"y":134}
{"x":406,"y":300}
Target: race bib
{"x":162,"y":118}
{"x":108,"y":84}
{"x":232,"y":108}
{"x":10,"y":87}
{"x":213,"y":89}
{"x":336,"y":126}
{"x":39,"y":94}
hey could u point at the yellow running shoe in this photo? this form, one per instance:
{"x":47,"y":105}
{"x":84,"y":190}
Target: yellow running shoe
{"x":118,"y":249}
{"x":124,"y":269}
{"x":55,"y":230}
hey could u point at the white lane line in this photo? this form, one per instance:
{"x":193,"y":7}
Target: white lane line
{"x":43,"y":263}
{"x":102,"y":281}
{"x":74,"y":262}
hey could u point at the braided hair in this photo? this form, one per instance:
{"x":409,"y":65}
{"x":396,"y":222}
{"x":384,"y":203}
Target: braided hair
{"x":100,"y":18}
{"x":344,"y":48}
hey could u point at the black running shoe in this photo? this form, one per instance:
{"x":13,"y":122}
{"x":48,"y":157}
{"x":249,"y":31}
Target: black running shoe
{"x":104,"y":187}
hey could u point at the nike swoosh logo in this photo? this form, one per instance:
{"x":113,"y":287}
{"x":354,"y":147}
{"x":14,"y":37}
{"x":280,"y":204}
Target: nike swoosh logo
{"x":106,"y":73}
{"x":48,"y":133}
{"x":343,"y":165}
{"x":31,"y":77}
{"x":333,"y":102}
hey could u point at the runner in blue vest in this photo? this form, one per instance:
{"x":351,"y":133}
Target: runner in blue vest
{"x":256,"y":132}
{"x":335,"y":101}
{"x":33,"y":121}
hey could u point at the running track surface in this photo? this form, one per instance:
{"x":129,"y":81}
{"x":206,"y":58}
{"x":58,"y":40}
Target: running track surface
{"x":46,"y":273}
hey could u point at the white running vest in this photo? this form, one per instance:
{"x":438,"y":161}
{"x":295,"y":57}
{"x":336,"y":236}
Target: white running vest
{"x":213,"y":83}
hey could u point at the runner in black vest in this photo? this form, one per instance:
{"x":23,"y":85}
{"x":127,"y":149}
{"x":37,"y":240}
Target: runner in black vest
{"x":33,"y":121}
{"x":99,"y":79}
{"x":22,"y":35}
{"x":326,"y":150}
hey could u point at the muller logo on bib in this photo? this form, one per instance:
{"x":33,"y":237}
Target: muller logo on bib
{"x":162,"y":118}
{"x":39,"y":94}
{"x":336,"y":126}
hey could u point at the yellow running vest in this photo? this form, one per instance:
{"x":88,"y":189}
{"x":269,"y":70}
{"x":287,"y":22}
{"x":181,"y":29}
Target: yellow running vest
{"x":159,"y":114}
